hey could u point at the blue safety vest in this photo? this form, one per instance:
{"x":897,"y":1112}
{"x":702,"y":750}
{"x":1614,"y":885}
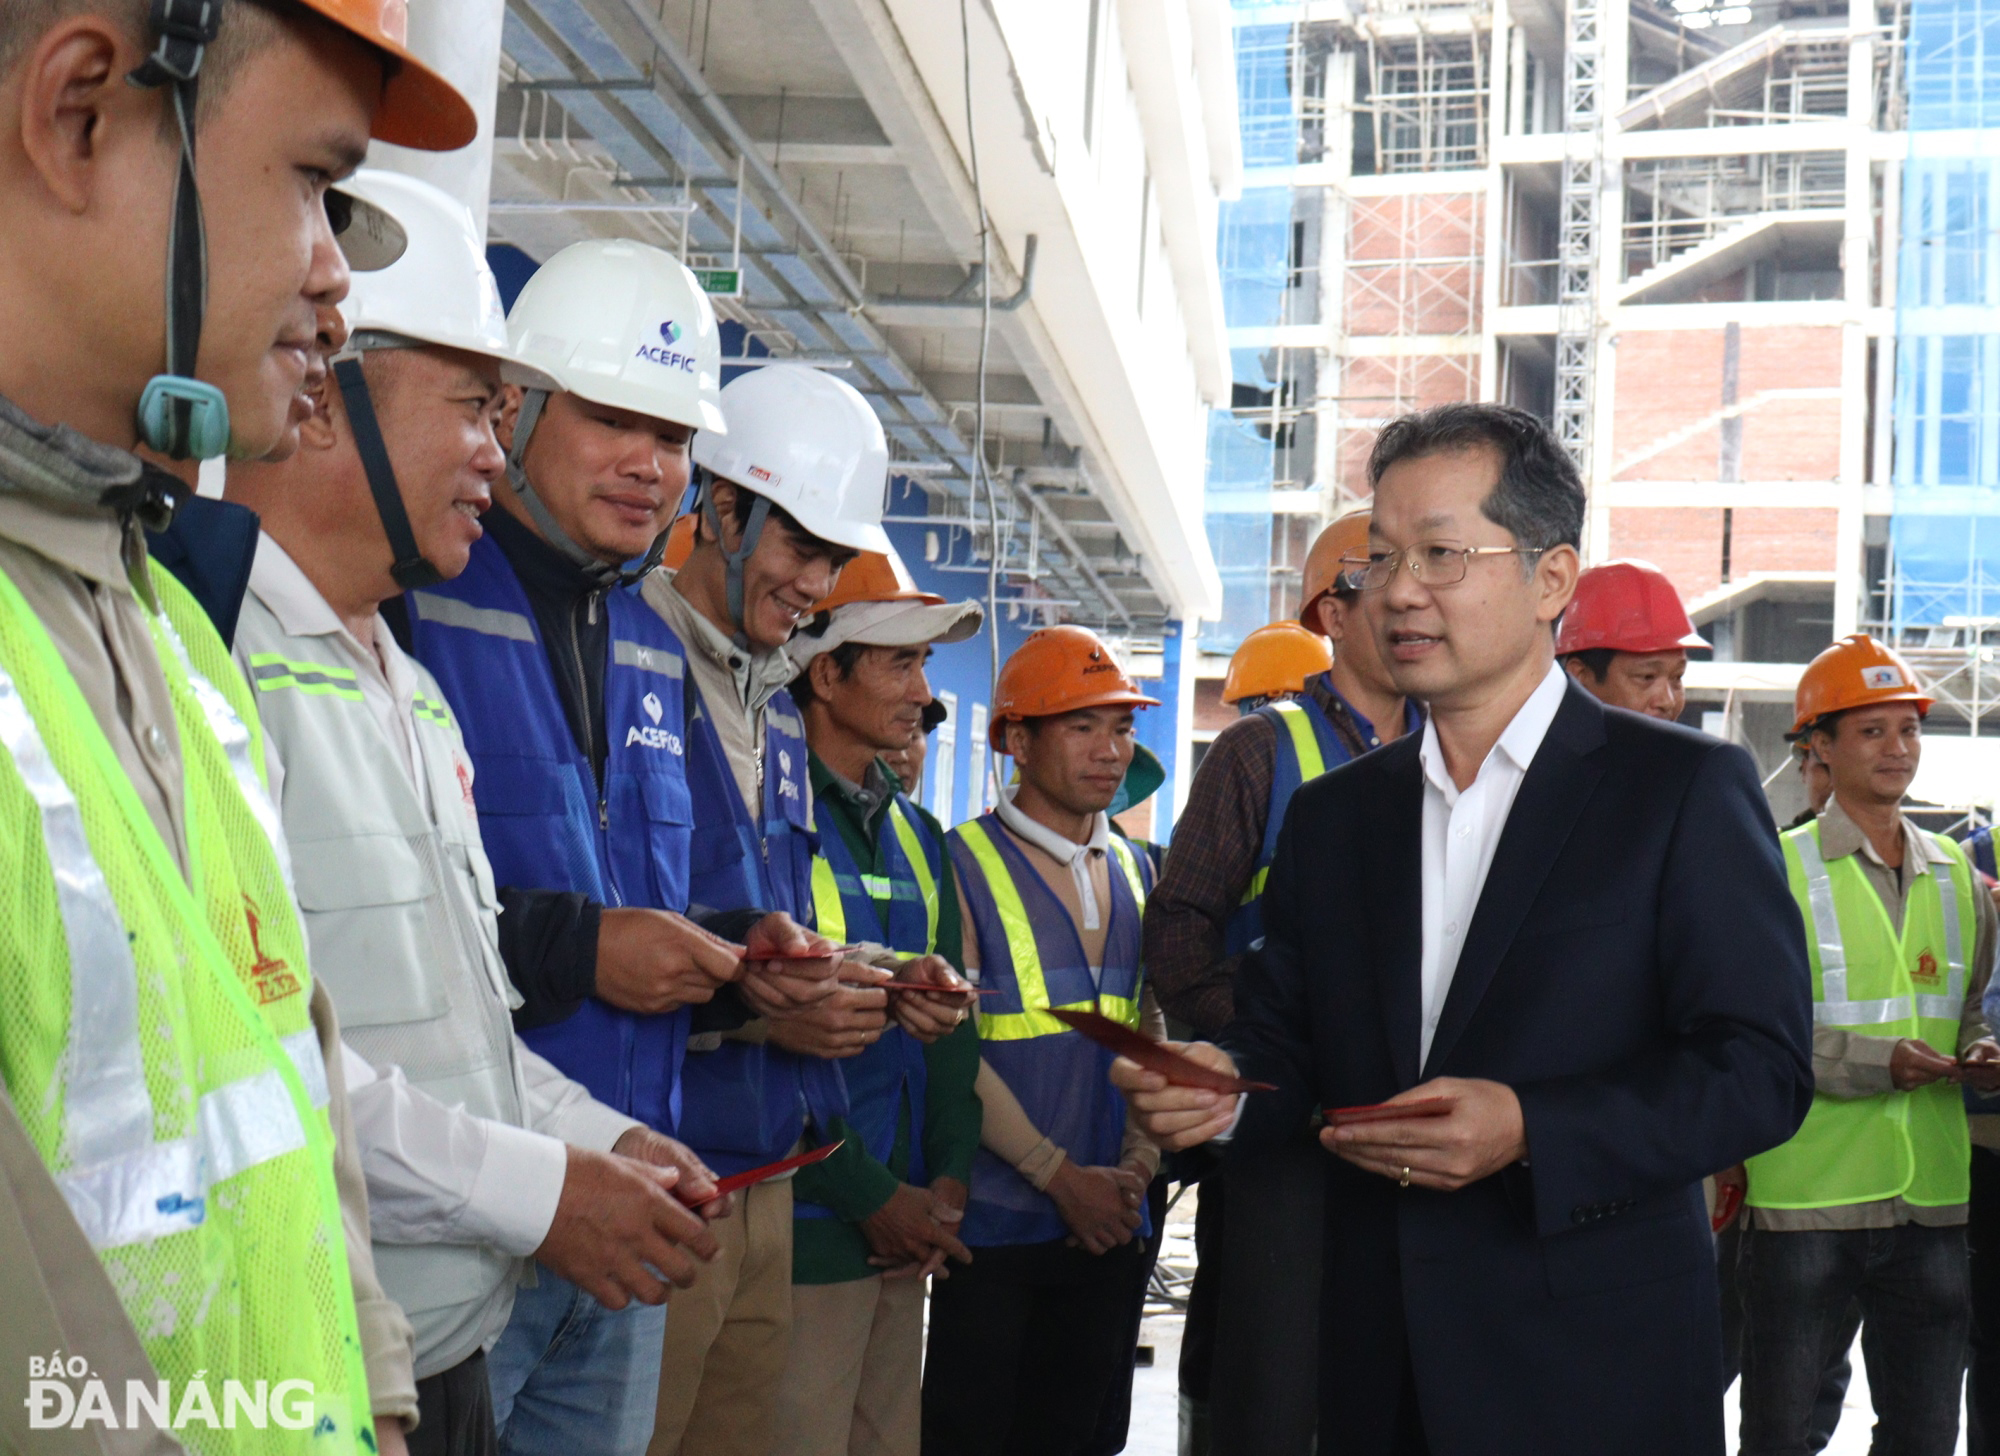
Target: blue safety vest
{"x":898,"y":909}
{"x":1031,"y":956}
{"x":746,"y":1102}
{"x":546,"y":822}
{"x":1307,"y":748}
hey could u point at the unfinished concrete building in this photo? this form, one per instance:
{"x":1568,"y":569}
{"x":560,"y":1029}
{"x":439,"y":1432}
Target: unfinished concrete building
{"x":1743,"y":256}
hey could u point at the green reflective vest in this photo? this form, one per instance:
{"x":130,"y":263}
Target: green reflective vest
{"x":1870,"y":981}
{"x":156,"y":1039}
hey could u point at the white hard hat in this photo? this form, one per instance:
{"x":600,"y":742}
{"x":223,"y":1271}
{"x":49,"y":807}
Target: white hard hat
{"x":623,"y":324}
{"x":807,"y":442}
{"x":440,"y":290}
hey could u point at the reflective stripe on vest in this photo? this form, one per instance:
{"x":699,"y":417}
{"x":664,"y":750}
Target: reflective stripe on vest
{"x":270,"y":673}
{"x":1311,"y":764}
{"x":1016,"y":925}
{"x":1834,"y":1008}
{"x":830,"y":914}
{"x":1873,"y":979}
{"x":187,"y":1062}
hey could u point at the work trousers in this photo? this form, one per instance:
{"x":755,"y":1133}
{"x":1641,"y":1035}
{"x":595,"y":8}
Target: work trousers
{"x":1982,"y":1389}
{"x":455,"y":1412}
{"x":1264,"y":1390}
{"x":729,"y":1337}
{"x":570,"y":1376}
{"x":1913,"y":1288}
{"x":1028,"y":1342}
{"x":852,"y":1384}
{"x":1832,"y":1397}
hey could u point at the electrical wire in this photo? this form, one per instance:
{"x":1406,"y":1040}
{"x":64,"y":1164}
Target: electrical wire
{"x":982,"y":477}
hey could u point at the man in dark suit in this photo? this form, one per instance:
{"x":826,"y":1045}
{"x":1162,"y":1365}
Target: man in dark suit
{"x":1569,"y":925}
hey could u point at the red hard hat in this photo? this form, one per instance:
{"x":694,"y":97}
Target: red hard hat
{"x":1628,"y":606}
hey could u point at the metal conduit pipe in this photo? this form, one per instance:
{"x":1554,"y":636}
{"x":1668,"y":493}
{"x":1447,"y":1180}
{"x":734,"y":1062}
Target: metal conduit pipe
{"x":704,"y":95}
{"x":1053,"y":524}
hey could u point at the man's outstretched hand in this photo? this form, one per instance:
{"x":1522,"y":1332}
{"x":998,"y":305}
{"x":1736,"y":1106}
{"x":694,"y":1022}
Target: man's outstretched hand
{"x":652,"y":961}
{"x":1178,"y":1117}
{"x":1481,"y":1134}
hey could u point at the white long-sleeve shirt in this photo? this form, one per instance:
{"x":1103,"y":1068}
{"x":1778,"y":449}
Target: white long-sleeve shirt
{"x":440,"y":1175}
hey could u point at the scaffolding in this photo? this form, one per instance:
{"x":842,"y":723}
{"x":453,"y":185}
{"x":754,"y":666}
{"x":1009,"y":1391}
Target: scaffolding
{"x":1674,"y":204}
{"x":1576,"y":245}
{"x":1427,"y":101}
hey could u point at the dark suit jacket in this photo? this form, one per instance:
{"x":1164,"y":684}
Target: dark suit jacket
{"x":1636,"y":972}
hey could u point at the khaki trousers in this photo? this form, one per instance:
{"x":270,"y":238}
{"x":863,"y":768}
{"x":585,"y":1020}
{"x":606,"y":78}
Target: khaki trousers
{"x":854,"y":1383}
{"x":727,"y":1338}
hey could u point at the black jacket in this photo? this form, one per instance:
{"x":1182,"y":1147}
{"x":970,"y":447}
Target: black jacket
{"x":1636,"y":972}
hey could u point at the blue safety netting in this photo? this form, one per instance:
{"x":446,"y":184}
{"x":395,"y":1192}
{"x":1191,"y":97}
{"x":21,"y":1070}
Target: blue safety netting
{"x":1945,"y":533}
{"x":1253,"y":248}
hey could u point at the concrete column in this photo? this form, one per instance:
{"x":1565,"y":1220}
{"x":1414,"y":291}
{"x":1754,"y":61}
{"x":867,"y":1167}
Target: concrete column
{"x":461,"y":40}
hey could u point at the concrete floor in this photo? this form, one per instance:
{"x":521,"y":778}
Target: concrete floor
{"x":1155,"y":1394}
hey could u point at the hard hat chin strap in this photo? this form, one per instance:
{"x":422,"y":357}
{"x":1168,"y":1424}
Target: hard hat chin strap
{"x":180,"y":416}
{"x":753,"y":532}
{"x":603,"y":573}
{"x":409,"y":567}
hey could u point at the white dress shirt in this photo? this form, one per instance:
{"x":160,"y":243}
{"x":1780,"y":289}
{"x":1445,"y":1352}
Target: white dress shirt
{"x":1462,"y":828}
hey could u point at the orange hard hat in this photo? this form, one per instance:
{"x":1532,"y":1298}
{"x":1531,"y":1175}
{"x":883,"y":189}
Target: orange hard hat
{"x":680,"y":543}
{"x":875,"y":577}
{"x":419,"y":108}
{"x":1347,"y":536}
{"x":1856,"y":672}
{"x":1276,"y":659}
{"x":1058,"y":670}
{"x":1628,"y":606}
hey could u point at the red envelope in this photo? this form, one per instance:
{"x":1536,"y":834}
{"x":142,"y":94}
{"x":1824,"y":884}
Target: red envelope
{"x":1728,"y":1200}
{"x":1179,"y":1070}
{"x":1388,"y":1111}
{"x":924,"y":986}
{"x":770,"y":1170}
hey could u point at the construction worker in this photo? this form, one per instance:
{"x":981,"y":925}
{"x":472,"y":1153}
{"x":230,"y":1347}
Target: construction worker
{"x":1029,"y":1341}
{"x":1625,"y":636}
{"x":568,"y":695}
{"x":866,"y":1240}
{"x":787,"y":498}
{"x":172,"y":1061}
{"x":468,"y":1169}
{"x":1249,"y":1358}
{"x":1868,"y":1200}
{"x":1274,"y":664}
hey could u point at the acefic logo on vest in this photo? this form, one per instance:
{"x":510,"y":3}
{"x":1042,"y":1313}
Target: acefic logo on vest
{"x":787,"y":787}
{"x":668,"y":356}
{"x":653,"y":736}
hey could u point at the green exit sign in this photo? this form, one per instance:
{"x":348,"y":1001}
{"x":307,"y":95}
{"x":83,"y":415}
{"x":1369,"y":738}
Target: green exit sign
{"x":722,"y":282}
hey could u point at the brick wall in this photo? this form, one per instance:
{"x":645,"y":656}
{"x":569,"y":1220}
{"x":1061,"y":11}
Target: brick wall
{"x":1684,"y":542}
{"x":1781,"y":540}
{"x":1791,"y":439}
{"x":1669,"y":381}
{"x":1666,"y":382}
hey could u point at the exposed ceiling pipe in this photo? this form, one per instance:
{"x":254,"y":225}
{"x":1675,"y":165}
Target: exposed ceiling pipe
{"x":1056,"y":528}
{"x":691,"y":81}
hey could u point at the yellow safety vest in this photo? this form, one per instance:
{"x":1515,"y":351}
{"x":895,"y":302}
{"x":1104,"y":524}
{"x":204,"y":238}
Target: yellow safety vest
{"x":155,"y":1036}
{"x":1870,"y":981}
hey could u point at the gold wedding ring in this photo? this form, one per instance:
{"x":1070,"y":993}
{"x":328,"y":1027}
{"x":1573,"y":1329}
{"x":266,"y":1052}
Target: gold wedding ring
{"x":1404,"y":1180}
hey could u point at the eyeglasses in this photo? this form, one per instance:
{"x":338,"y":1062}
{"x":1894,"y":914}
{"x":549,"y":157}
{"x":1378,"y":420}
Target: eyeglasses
{"x":1433,"y":563}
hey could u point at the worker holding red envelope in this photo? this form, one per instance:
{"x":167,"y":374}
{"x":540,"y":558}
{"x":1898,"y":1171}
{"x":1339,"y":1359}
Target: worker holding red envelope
{"x":1868,"y":1201}
{"x":869,"y":1231}
{"x":1030,"y":1340}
